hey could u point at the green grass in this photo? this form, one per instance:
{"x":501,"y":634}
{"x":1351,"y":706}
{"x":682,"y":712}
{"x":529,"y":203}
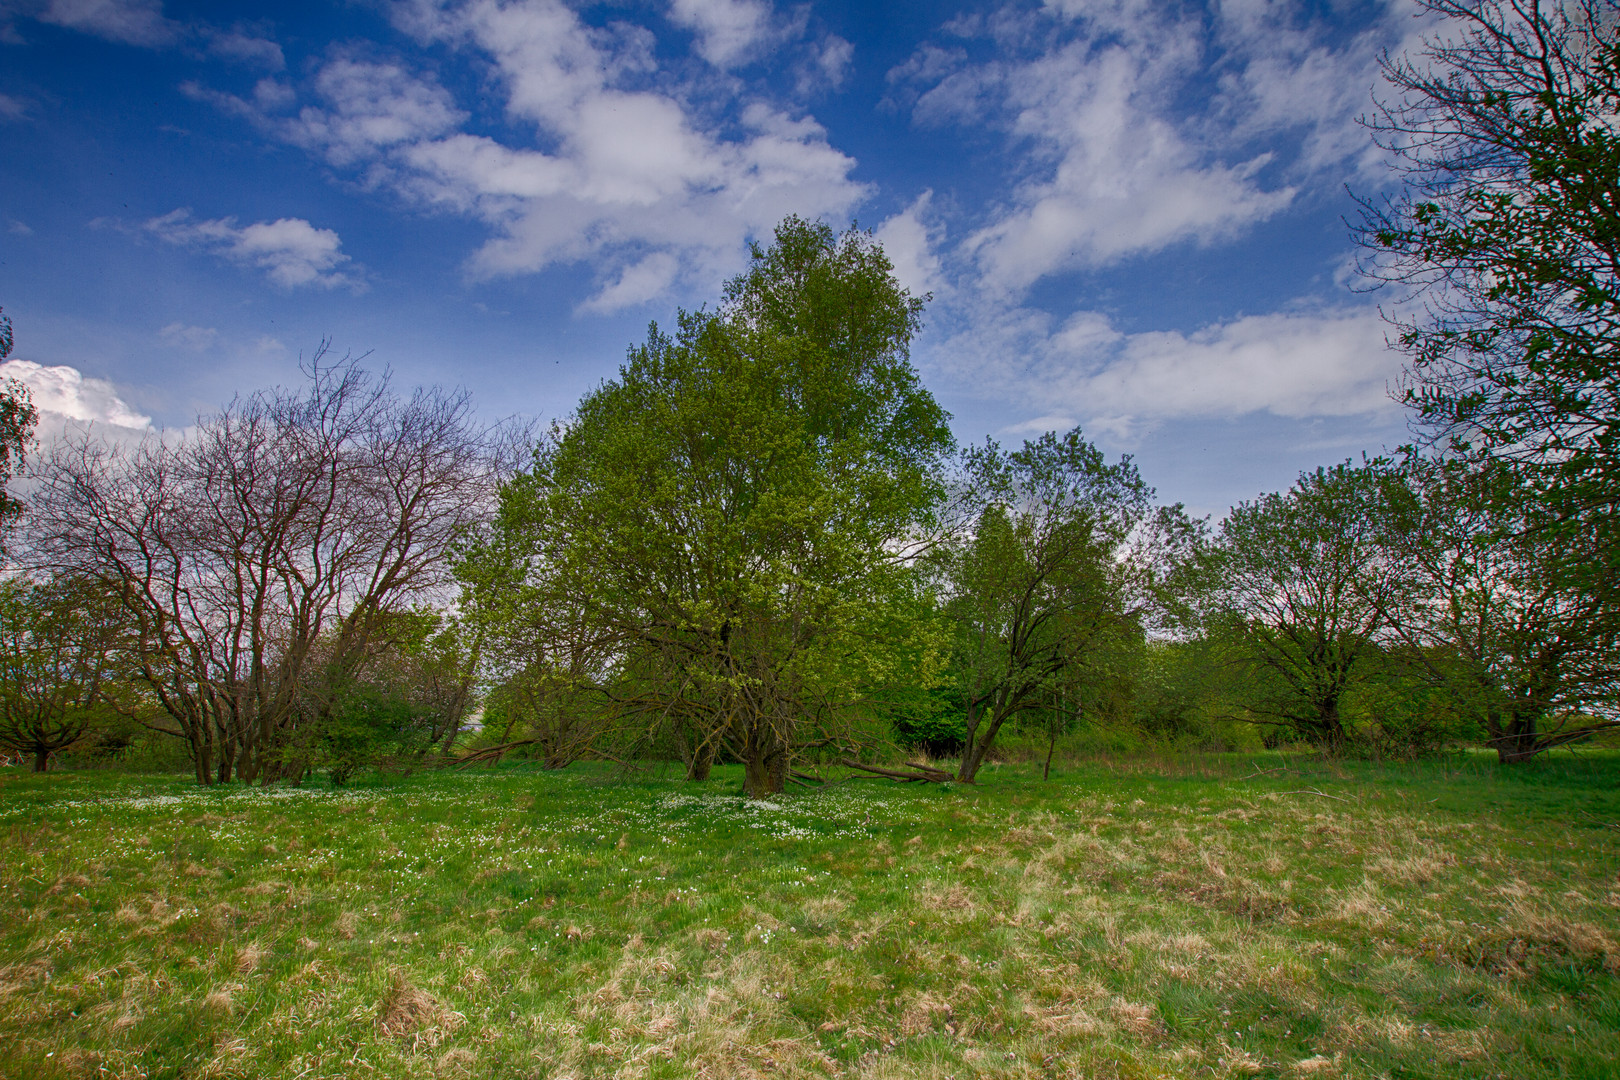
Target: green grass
{"x":1189,"y":916}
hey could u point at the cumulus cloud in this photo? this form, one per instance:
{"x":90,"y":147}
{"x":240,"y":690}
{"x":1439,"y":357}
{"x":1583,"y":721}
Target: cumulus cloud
{"x":729,"y":32}
{"x":290,"y":251}
{"x":638,"y":182}
{"x":133,"y":22}
{"x":63,"y":394}
{"x":368,"y":107}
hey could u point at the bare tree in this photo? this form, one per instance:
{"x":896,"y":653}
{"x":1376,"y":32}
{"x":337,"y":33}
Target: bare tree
{"x":281,"y":534}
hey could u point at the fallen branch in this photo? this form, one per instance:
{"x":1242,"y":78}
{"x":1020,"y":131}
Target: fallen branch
{"x":924,"y":773}
{"x":1312,"y":791}
{"x":489,"y":752}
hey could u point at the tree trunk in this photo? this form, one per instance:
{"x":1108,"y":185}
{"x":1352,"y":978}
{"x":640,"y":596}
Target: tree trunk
{"x":700,"y":761}
{"x":765,"y":766}
{"x":42,"y":759}
{"x":973,"y":754}
{"x":1515,"y":735}
{"x":1327,"y":731}
{"x":199,"y":760}
{"x":1051,"y":745}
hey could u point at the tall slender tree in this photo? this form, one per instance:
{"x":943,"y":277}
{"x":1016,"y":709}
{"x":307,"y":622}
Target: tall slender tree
{"x":1298,"y":580}
{"x":1061,"y":570}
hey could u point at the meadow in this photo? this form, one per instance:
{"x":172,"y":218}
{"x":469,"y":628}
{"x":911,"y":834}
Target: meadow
{"x":1242,"y":916}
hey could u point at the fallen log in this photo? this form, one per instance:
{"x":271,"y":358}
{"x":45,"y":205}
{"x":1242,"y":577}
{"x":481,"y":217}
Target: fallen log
{"x":923,"y":773}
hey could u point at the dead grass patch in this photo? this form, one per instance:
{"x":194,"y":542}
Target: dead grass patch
{"x":407,"y":1011}
{"x":249,"y":957}
{"x":222,"y":999}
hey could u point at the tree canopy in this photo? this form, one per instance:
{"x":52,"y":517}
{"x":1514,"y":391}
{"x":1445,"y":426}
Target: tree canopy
{"x":733,"y":515}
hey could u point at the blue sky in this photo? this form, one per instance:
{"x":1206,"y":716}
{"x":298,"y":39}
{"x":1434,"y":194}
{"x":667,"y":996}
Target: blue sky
{"x":1129,"y":214}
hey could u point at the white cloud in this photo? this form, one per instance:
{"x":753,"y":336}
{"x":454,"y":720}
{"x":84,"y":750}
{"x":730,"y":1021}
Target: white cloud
{"x":247,"y":49}
{"x":1120,"y":153}
{"x":370,"y":107}
{"x":1330,"y":362}
{"x":133,"y":22}
{"x":729,"y":32}
{"x":910,"y":243}
{"x":63,"y":393}
{"x":12,"y":108}
{"x":639,"y":283}
{"x":830,"y":64}
{"x":641,"y":184}
{"x":1293,"y":365}
{"x":195,"y":338}
{"x":18,"y":228}
{"x":290,"y":251}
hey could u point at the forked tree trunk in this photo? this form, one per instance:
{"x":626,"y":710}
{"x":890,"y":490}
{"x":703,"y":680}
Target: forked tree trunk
{"x":1516,"y":739}
{"x":981,"y":736}
{"x":700,"y":760}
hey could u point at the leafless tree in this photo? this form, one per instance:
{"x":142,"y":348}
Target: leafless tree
{"x":280,"y":534}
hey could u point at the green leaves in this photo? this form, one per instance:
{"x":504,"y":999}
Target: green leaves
{"x":726,"y":524}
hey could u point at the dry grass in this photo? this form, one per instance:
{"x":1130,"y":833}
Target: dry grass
{"x":1117,"y":924}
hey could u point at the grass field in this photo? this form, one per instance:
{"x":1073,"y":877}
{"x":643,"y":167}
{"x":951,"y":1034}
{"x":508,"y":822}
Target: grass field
{"x":1149,"y":918}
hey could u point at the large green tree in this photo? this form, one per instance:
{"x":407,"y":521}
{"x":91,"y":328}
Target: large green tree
{"x":1053,"y":581}
{"x":1296,"y":583}
{"x":1485,"y":611}
{"x":1508,"y":233}
{"x":725,"y":529}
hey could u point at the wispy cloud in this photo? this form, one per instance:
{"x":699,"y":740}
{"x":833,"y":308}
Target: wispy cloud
{"x":602,"y":165}
{"x":1115,"y":156}
{"x":728,"y":32}
{"x":290,"y":251}
{"x":1294,"y":364}
{"x":133,"y":22}
{"x":194,"y":338}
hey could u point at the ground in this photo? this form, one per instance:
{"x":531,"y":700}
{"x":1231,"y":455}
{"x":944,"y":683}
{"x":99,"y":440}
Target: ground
{"x":1171,"y":917}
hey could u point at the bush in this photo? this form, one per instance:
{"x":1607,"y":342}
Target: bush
{"x":933,"y":722}
{"x":368,"y":727}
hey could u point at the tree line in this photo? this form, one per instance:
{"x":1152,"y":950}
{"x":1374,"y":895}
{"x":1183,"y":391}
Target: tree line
{"x":760,"y":543}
